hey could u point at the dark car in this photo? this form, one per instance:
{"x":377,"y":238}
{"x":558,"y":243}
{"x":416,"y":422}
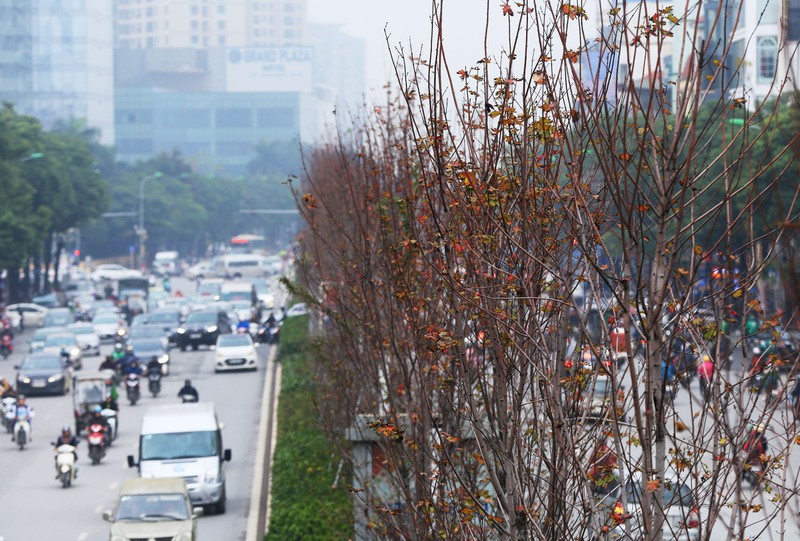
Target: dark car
{"x":42,"y":373}
{"x":146,"y":348}
{"x":168,"y":319}
{"x":203,"y":327}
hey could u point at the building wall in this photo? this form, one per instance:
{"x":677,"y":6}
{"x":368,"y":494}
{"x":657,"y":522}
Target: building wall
{"x":56,"y":61}
{"x":209,"y":23}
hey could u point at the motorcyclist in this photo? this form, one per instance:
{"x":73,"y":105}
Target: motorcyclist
{"x":271,"y":321}
{"x":119,"y":352}
{"x":23,"y":413}
{"x":705,"y":372}
{"x":110,"y":403}
{"x":756,"y":448}
{"x":153,"y":366}
{"x":166,"y":284}
{"x":188,"y":391}
{"x":108,"y":363}
{"x":96,"y":416}
{"x":134,"y":368}
{"x":66,"y":438}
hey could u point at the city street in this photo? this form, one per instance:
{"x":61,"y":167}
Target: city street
{"x":36,"y":507}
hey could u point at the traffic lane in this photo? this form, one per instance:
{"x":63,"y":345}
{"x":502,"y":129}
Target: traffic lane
{"x":237,"y":397}
{"x":29,"y":488}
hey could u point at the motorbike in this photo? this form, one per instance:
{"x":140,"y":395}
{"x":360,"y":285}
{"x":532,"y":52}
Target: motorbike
{"x":22,"y":429}
{"x":65,"y":464}
{"x":132,"y":388}
{"x":111,"y":419}
{"x":269,"y":333}
{"x":9,"y":412}
{"x":97,"y":437}
{"x":154,"y":382}
{"x":6,"y":345}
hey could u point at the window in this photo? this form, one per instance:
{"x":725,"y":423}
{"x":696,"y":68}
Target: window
{"x":767,"y":11}
{"x":195,"y":39}
{"x":195,"y":25}
{"x":221,"y":40}
{"x":234,"y":118}
{"x":234,"y":148}
{"x":221,"y":25}
{"x":276,"y":118}
{"x":195,"y":10}
{"x":220,"y":9}
{"x":767,"y":59}
{"x":135,"y":146}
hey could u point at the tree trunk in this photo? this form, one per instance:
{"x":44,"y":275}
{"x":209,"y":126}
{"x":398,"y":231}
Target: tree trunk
{"x":48,"y":259}
{"x":59,"y":249}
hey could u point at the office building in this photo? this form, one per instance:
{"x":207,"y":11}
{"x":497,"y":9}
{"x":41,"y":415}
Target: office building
{"x":56,"y":61}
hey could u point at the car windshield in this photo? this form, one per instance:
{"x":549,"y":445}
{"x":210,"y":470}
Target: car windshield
{"x":82,"y":330}
{"x":110,"y":318}
{"x":241,"y":305}
{"x":208,"y":289}
{"x":235,"y":296}
{"x":41,"y":363}
{"x":163,"y":318}
{"x":204,"y":318}
{"x":177,"y":445}
{"x":59,"y":341}
{"x":146,"y":345}
{"x":674,"y":494}
{"x":152,"y":507}
{"x":41,"y":334}
{"x":233,"y":340}
{"x":90,"y":392}
{"x":58,"y":319}
{"x":146,"y":331}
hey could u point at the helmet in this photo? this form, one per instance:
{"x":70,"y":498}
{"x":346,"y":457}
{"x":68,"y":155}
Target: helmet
{"x":118,"y":346}
{"x":96,"y":408}
{"x":188,"y":383}
{"x":21,"y":399}
{"x":66,"y":430}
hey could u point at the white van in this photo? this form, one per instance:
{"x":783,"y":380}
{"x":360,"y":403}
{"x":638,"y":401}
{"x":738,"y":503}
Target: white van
{"x":185,"y":440}
{"x":241,"y":265}
{"x":167,"y":263}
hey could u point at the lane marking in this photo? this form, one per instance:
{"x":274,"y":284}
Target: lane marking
{"x":114,"y":485}
{"x":98,"y":509}
{"x":83,"y":536}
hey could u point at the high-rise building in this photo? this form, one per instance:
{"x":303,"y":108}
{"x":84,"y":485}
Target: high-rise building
{"x":198,"y":24}
{"x":56,"y":61}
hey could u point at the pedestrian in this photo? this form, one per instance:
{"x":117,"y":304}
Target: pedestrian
{"x":705,"y":372}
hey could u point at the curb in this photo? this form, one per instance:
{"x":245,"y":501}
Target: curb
{"x":255,"y":519}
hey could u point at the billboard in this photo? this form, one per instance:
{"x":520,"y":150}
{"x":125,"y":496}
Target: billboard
{"x":269,"y":69}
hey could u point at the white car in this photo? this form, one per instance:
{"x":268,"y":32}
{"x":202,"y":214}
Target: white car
{"x":114,"y":272}
{"x":58,"y":342}
{"x":86,"y":337}
{"x":298,"y":309}
{"x":235,"y":352}
{"x":108,"y":326}
{"x":199,"y":271}
{"x":32,"y":314}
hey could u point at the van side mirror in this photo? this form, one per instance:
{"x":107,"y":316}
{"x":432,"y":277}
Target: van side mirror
{"x":108,"y":516}
{"x":226,"y":456}
{"x":131,"y":461}
{"x":197,"y":512}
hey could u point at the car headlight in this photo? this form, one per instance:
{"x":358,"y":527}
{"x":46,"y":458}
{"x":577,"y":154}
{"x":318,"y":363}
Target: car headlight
{"x":212,"y":328}
{"x":180,"y":330}
{"x":24,"y":379}
{"x":74,"y":352}
{"x":211,"y":476}
{"x":121,"y":332}
{"x":55,"y":378}
{"x":164,"y":359}
{"x":185,"y":536}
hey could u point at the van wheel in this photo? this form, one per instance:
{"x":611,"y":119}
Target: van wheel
{"x":195,"y":347}
{"x":219,"y":508}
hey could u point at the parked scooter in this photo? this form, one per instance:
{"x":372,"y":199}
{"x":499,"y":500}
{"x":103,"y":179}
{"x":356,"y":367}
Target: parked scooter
{"x":132,"y":388}
{"x":65,"y":464}
{"x":97,"y":437}
{"x":6,"y":345}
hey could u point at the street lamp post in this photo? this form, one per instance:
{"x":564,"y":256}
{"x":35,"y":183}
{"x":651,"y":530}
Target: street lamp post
{"x":141,"y":231}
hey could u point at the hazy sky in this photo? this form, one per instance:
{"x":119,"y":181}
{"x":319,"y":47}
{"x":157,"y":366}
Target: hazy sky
{"x":405,"y":19}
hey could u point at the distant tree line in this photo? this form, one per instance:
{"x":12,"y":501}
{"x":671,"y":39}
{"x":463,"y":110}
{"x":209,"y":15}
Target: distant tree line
{"x":57,"y":181}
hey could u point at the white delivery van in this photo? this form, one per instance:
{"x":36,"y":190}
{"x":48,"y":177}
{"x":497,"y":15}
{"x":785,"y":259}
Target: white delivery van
{"x":185,"y":440}
{"x":241,"y":265}
{"x":167,"y":263}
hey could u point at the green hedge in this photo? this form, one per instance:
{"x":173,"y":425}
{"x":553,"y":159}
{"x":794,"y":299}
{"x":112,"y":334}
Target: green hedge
{"x":304,"y":505}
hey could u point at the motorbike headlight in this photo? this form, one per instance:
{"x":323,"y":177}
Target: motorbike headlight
{"x":25,"y":379}
{"x":121,"y":332}
{"x":212,"y":328}
{"x":164,"y":359}
{"x":55,"y":378}
{"x":211,"y":476}
{"x":180,"y":330}
{"x":74,"y":352}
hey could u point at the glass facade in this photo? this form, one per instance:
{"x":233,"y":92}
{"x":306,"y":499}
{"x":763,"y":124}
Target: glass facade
{"x":56,"y":61}
{"x":213,"y":130}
